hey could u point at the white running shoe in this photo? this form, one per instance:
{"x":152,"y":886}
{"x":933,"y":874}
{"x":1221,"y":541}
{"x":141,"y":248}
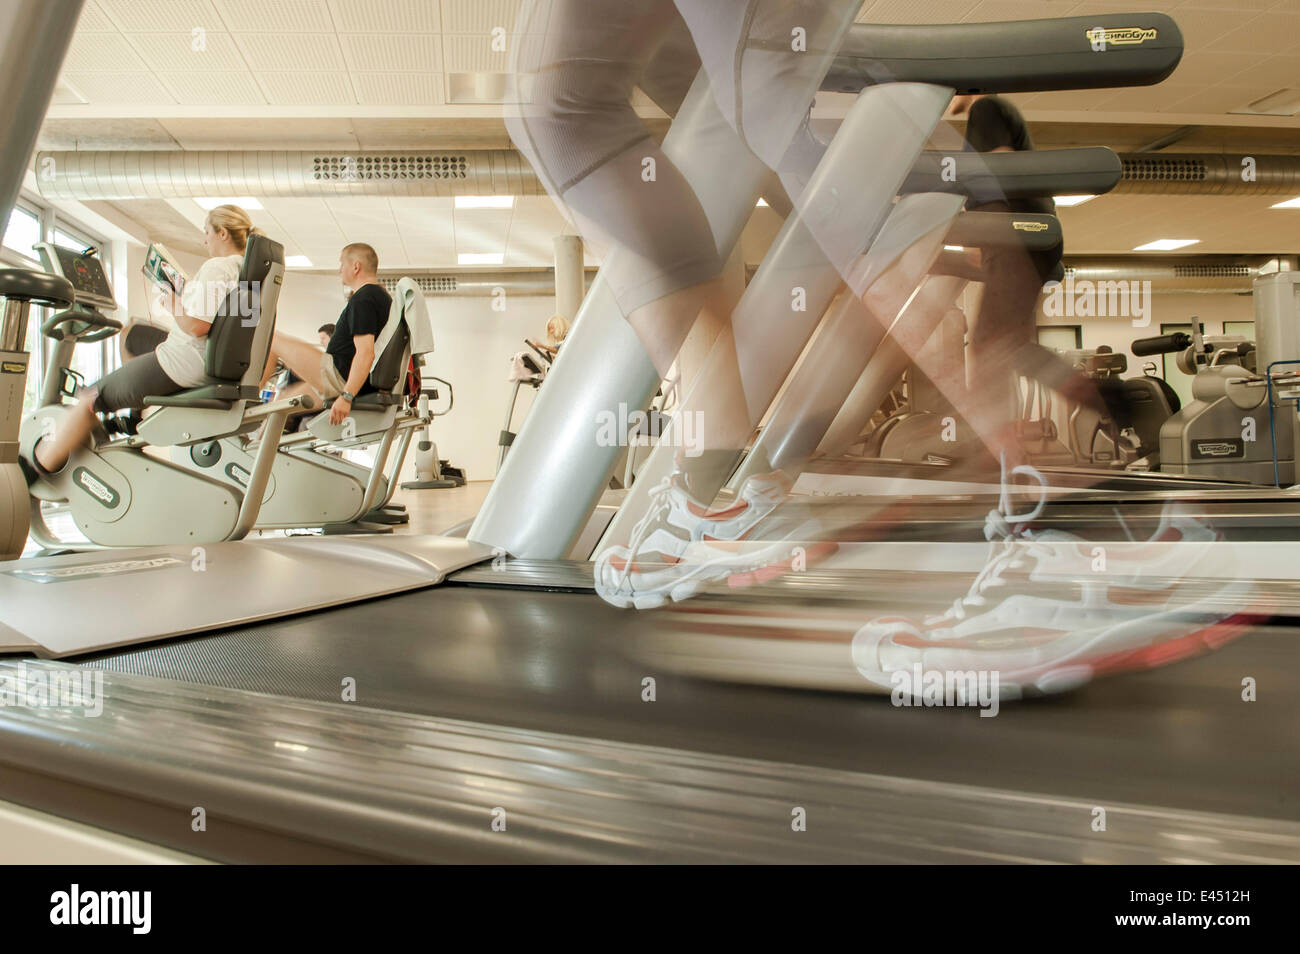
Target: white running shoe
{"x":1050,"y":610}
{"x":680,"y":544}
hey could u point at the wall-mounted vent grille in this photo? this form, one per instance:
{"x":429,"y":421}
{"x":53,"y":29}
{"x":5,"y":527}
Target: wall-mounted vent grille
{"x":361,"y":168}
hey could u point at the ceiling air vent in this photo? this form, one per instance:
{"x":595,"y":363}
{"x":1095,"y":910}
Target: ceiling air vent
{"x":1213,"y":271}
{"x":386,"y":168}
{"x":429,"y":284}
{"x":1164,"y":169}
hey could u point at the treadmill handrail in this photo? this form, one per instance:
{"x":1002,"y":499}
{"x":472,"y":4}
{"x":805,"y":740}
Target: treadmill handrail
{"x":1089,"y":52}
{"x":1033,"y":232}
{"x":995,"y":176}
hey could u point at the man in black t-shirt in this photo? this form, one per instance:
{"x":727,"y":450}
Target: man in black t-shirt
{"x":341,"y":371}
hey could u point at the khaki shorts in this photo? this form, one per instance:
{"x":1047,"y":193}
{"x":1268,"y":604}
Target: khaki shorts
{"x":333,"y":384}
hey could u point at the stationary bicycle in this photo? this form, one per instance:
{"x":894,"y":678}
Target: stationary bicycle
{"x":20,"y":288}
{"x":118,"y":494}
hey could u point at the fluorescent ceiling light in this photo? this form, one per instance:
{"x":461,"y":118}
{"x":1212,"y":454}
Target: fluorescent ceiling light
{"x":762,"y":204}
{"x":1166,"y":245}
{"x":245,"y":202}
{"x":297,"y":261}
{"x":480,"y":258}
{"x":955,"y":248}
{"x":1288,"y":204}
{"x":1068,"y":200}
{"x":485,"y":201}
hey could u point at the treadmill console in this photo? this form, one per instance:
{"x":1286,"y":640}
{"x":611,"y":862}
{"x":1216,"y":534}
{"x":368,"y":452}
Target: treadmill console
{"x":86,"y":272}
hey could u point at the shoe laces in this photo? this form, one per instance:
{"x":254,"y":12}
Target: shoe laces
{"x":660,"y":506}
{"x":1011,"y":542}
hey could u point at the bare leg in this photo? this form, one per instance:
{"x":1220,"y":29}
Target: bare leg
{"x":52,"y":453}
{"x":300,"y":357}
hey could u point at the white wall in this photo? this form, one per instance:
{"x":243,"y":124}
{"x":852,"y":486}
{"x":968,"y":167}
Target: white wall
{"x":473,"y":347}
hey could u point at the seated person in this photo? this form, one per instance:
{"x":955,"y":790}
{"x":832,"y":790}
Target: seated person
{"x":341,"y":371}
{"x":178,"y":363}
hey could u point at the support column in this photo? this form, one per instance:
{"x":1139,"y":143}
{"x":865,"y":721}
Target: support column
{"x":34,"y":36}
{"x":570,"y":283}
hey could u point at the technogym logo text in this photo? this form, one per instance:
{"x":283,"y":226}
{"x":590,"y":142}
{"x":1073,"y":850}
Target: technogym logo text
{"x":23,"y":688}
{"x":1088,"y":299}
{"x":935,"y":687}
{"x":624,"y":428}
{"x":78,"y":907}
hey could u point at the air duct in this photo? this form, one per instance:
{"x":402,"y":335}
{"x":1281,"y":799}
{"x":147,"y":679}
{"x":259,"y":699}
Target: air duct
{"x":177,"y":174}
{"x":1211,"y":275}
{"x":538,"y":282}
{"x":136,"y":174}
{"x":1209,"y":174}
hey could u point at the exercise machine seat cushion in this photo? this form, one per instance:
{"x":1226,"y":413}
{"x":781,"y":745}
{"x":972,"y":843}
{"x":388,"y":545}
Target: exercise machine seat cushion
{"x":230,"y":341}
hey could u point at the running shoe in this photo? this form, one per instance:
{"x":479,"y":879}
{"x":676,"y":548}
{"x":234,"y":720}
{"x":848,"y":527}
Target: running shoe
{"x":1051,"y":610}
{"x":680,"y":544}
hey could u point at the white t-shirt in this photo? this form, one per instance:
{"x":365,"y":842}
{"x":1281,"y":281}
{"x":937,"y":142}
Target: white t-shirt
{"x":182,"y":354}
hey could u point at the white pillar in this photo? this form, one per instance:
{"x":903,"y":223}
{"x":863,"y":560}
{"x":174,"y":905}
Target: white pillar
{"x":569,"y":275}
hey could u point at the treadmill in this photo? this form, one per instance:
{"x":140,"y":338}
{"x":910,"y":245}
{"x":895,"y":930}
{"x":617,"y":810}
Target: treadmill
{"x":486,"y":706}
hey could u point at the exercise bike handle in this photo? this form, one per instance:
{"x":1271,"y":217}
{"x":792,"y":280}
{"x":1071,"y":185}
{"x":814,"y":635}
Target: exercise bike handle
{"x":105,"y":327}
{"x":1162,"y":344}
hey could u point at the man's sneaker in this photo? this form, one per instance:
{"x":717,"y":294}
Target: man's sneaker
{"x":680,"y":544}
{"x":1050,"y":610}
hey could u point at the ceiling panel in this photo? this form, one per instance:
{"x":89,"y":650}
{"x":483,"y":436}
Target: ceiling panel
{"x":94,"y":20}
{"x":177,"y":51}
{"x":161,"y":16}
{"x":386,"y":16}
{"x":1224,"y":224}
{"x":306,"y":89}
{"x":101,"y":52}
{"x":228,"y":88}
{"x":126,"y":89}
{"x":479,"y":16}
{"x":482,"y":230}
{"x":285,"y":17}
{"x":473,"y":53}
{"x":305,"y":52}
{"x":399,"y":89}
{"x":381,"y":52}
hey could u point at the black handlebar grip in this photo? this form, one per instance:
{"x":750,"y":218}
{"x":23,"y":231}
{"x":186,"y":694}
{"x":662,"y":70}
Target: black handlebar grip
{"x":1162,"y":344}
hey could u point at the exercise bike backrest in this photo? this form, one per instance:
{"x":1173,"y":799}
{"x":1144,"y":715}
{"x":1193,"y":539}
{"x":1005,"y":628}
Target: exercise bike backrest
{"x":240,"y":339}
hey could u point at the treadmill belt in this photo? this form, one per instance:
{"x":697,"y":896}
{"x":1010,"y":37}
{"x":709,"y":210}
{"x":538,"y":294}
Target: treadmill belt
{"x":565,"y":662}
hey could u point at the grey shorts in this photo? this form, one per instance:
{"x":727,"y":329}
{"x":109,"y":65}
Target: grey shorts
{"x":128,"y":386}
{"x":332,"y":383}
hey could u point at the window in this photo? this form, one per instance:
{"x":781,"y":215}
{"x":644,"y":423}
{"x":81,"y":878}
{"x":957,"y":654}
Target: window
{"x":1061,"y":337}
{"x":74,"y":242}
{"x":22,"y":232}
{"x":1244,"y":328}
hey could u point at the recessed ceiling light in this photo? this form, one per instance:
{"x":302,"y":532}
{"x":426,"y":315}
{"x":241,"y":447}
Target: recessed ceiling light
{"x":480,"y":258}
{"x":297,"y":261}
{"x":1288,"y":204}
{"x":762,"y":204}
{"x":485,"y":201}
{"x":245,"y":202}
{"x":1068,"y":200}
{"x":1166,"y":245}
